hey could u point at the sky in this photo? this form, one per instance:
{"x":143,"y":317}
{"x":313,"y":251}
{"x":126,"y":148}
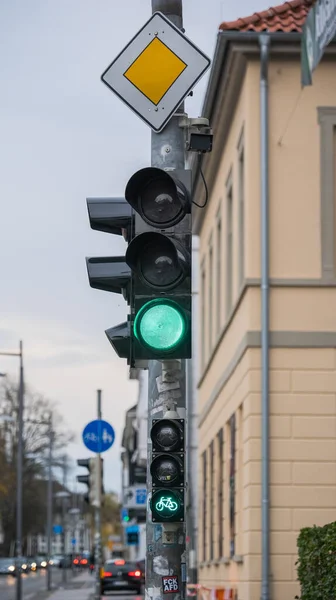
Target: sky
{"x":64,"y":136}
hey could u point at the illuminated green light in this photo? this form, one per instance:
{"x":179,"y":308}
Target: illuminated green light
{"x":160,"y":325}
{"x":166,"y":504}
{"x":126,"y":518}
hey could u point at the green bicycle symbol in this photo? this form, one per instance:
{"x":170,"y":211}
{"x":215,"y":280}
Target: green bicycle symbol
{"x":166,"y":503}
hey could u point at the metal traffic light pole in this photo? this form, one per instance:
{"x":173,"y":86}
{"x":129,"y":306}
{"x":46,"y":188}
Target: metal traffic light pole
{"x":97,"y":512}
{"x":166,"y":551}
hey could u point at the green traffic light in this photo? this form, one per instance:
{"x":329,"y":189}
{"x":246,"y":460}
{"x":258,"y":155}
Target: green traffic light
{"x":160,"y":325}
{"x":166,"y":504}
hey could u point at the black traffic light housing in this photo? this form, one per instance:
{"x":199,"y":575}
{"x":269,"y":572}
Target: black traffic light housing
{"x":159,"y":255}
{"x":91,"y":479}
{"x":168,"y":470}
{"x":112,"y":274}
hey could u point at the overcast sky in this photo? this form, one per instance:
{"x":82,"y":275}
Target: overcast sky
{"x":65,"y":136}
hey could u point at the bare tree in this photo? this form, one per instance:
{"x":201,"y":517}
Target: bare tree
{"x":38,"y":409}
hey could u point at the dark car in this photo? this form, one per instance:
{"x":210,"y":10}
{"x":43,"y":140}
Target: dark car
{"x":120,"y":574}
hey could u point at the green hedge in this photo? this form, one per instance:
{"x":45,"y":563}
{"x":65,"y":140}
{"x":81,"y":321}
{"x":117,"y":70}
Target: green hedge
{"x":316,"y":565}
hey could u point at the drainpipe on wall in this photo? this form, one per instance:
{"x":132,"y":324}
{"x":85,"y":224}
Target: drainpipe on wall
{"x":264,"y":42}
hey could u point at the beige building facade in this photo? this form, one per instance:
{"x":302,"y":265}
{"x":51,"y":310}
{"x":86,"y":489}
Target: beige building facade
{"x":302,"y":332}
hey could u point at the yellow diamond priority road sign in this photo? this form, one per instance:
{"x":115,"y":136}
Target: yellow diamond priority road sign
{"x":156,"y":71}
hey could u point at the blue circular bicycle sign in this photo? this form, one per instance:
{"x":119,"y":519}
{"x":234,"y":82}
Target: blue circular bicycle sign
{"x":98,"y":436}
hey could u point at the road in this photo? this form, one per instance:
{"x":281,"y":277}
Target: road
{"x":31,"y":584}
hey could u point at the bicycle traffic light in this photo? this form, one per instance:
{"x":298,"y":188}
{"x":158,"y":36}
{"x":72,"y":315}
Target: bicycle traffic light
{"x":168,"y":470}
{"x":94,"y":479}
{"x":112,"y":274}
{"x":159,"y":255}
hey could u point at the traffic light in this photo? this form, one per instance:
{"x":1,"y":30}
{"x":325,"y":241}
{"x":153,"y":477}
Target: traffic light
{"x":94,"y":480}
{"x":159,"y":255}
{"x":168,"y":470}
{"x":155,"y":274}
{"x":112,"y":274}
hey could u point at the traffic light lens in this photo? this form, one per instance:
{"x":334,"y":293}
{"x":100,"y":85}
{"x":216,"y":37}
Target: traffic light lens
{"x":167,"y":437}
{"x":160,"y":325}
{"x":166,"y":470}
{"x":165,"y":503}
{"x":160,"y":203}
{"x":160,"y":267}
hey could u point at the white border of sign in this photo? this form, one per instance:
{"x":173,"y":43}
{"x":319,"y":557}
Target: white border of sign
{"x":197,"y":63}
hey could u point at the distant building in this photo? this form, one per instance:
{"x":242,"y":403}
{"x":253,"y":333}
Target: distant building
{"x":302,"y":237}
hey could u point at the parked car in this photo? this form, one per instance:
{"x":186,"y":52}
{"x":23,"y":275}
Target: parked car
{"x":120,"y":574}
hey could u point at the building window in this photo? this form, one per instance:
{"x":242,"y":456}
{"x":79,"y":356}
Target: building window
{"x":241,"y":200}
{"x":212,"y":500}
{"x":327,"y":121}
{"x":203,"y":313}
{"x":232,"y":472}
{"x":229,"y":245}
{"x":210,"y":303}
{"x":219,"y":273}
{"x":205,"y":516}
{"x":220,"y":488}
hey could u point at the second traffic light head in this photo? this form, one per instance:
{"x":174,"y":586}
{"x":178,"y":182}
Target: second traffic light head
{"x":160,"y":198}
{"x":161,"y":262}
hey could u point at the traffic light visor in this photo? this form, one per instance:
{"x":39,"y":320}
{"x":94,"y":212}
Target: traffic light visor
{"x":160,"y":325}
{"x":160,"y":200}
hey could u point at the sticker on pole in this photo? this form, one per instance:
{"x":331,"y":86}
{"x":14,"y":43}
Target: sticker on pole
{"x":98,"y":436}
{"x":170,"y":584}
{"x":156,"y":71}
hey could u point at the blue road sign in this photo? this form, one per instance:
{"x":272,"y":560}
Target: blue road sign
{"x":57,"y":529}
{"x":73,"y":541}
{"x":98,"y":436}
{"x":132,"y":535}
{"x":140,"y":495}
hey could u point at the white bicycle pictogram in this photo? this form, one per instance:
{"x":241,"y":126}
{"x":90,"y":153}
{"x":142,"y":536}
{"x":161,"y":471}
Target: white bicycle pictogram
{"x":166,"y":503}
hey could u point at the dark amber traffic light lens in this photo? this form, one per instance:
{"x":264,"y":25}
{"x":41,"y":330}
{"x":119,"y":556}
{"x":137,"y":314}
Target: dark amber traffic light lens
{"x":166,"y":470}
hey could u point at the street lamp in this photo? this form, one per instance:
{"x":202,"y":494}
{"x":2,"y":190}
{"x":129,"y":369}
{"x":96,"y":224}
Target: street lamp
{"x":19,"y":472}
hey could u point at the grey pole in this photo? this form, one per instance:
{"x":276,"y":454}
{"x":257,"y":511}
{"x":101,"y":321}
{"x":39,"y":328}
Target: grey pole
{"x":98,"y":513}
{"x":166,"y":381}
{"x":49,"y":503}
{"x":264,"y":41}
{"x":64,"y":570}
{"x":19,"y":473}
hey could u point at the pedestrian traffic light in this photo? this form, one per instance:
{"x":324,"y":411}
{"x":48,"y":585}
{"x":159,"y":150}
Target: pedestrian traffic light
{"x":112,"y":274}
{"x":159,"y":255}
{"x":168,"y":470}
{"x":94,"y":479}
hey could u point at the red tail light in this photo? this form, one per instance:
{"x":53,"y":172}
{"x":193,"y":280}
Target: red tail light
{"x":84,"y":561}
{"x":107,"y":574}
{"x":76,"y":561}
{"x":120,"y":561}
{"x":134,"y":573}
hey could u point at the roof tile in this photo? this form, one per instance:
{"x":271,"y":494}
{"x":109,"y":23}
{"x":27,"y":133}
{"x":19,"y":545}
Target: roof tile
{"x":287,"y":17}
